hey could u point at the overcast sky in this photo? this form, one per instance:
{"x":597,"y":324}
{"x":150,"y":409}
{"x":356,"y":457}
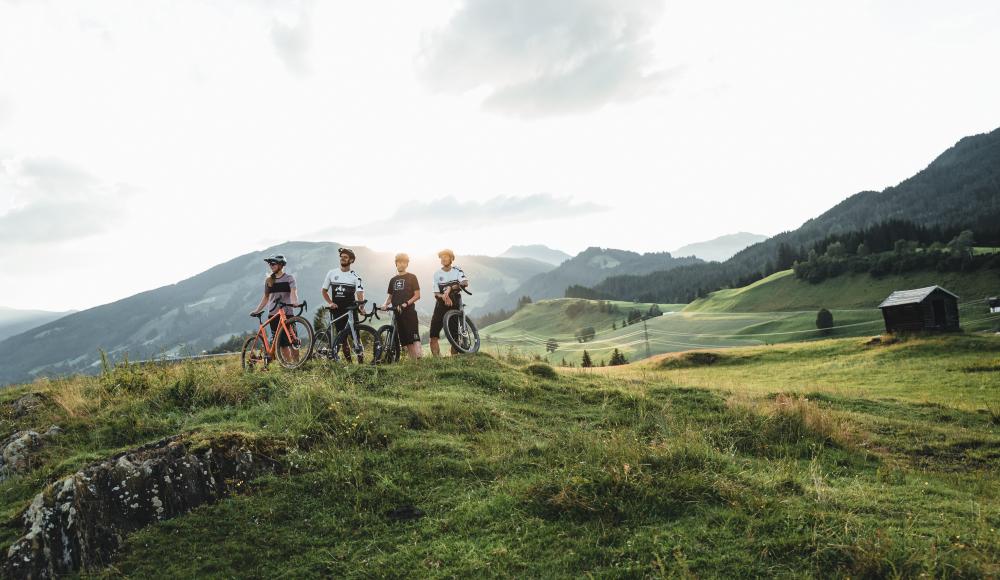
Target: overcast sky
{"x":143,"y":142}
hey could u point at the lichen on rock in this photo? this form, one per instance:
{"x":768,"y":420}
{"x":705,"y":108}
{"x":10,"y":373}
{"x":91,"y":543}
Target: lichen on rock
{"x":80,"y":521}
{"x":17,"y":450}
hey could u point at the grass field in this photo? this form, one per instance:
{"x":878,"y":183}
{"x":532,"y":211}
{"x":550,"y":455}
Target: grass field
{"x":828,"y":458}
{"x":783,"y":292}
{"x":680,"y":329}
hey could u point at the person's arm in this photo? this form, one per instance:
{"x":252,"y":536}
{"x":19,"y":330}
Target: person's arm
{"x":388,"y":296}
{"x":416,"y":296}
{"x":326,"y":296}
{"x":359,"y":291}
{"x":295,"y":295}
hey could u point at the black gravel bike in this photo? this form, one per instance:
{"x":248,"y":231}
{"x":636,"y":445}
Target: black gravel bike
{"x":357,"y":341}
{"x":459,"y":329}
{"x":388,"y":336}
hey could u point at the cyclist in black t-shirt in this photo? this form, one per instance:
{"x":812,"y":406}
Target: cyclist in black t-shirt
{"x":404,"y":292}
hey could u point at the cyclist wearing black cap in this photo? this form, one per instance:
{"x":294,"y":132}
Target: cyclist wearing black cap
{"x":343,"y":288}
{"x":448,"y":284}
{"x":279,"y":288}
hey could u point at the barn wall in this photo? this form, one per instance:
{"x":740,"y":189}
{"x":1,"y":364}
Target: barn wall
{"x":916,"y":317}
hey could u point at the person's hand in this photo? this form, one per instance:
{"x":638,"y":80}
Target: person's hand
{"x":447,"y":300}
{"x":255,"y":312}
{"x":331,"y":306}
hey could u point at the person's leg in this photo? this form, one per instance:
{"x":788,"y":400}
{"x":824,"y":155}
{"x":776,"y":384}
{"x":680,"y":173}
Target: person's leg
{"x":408,"y":328}
{"x":340,"y":325}
{"x":437,"y":321}
{"x":274,"y":333}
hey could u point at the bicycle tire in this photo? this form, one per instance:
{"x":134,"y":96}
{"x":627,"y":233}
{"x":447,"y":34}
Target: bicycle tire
{"x":302,"y":343}
{"x":389,"y":344}
{"x":371,"y":348}
{"x":253,"y":355}
{"x":322,"y":347}
{"x":464,"y":342}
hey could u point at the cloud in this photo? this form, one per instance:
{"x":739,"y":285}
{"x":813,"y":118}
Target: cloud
{"x":6,"y":108}
{"x":50,"y":200}
{"x":449,"y":214}
{"x":546,"y":57}
{"x":291,"y":37}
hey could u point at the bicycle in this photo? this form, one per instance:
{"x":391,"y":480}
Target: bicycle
{"x":388,"y":336}
{"x":294,"y":334}
{"x":357,"y":337}
{"x":460,"y":331}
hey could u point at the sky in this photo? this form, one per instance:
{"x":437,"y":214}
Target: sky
{"x":144,"y":142}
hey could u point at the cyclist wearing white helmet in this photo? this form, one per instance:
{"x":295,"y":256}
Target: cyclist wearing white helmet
{"x":448,"y":284}
{"x":279,"y":288}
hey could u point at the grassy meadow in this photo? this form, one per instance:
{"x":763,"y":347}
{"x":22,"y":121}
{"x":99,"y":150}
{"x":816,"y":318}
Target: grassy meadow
{"x":782,"y":291}
{"x":819,"y":459}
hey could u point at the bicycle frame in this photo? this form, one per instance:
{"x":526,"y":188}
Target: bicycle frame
{"x":271,"y":348}
{"x":332,"y":328}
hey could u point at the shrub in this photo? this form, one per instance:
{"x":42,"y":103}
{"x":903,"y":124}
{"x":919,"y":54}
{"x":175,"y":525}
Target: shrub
{"x":824,"y":320}
{"x":541,"y":370}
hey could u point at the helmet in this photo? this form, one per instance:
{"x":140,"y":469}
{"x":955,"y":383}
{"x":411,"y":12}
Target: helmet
{"x":402,"y":257}
{"x":447,"y":252}
{"x":276,"y":259}
{"x":347,"y":251}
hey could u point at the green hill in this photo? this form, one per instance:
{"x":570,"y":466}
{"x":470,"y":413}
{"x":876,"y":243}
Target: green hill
{"x":784,"y":292}
{"x":777,"y":309}
{"x":815,"y":460}
{"x":528,"y":331}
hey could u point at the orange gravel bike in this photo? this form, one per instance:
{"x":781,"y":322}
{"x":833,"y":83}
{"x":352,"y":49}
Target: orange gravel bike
{"x":291,"y":345}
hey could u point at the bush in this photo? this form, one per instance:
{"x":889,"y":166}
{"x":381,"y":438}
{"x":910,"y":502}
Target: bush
{"x":824,"y":320}
{"x":541,"y":370}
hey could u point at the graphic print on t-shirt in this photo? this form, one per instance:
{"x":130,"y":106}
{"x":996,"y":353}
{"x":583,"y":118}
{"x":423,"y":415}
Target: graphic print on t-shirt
{"x":402,"y":287}
{"x":343,"y":286}
{"x":444,"y":279}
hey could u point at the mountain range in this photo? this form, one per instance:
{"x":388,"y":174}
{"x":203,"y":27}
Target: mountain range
{"x":14,"y":322}
{"x":721,"y":248}
{"x":960,"y":189}
{"x":537,"y":252}
{"x":202,"y":311}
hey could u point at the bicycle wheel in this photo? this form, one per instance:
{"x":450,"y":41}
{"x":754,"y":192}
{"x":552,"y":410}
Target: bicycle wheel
{"x":323,"y":347}
{"x":461,"y":332}
{"x":254,"y":355}
{"x":365,"y":349}
{"x":299,"y":334}
{"x":389,"y":344}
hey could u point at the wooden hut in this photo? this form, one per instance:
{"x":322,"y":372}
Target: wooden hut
{"x":931,"y":308}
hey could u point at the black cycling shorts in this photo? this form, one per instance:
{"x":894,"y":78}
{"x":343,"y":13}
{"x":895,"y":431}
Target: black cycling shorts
{"x":341,"y":324}
{"x":407,"y":327}
{"x":437,"y":319}
{"x":283,"y":340}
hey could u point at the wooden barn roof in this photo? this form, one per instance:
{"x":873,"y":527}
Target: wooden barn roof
{"x":914,"y":296}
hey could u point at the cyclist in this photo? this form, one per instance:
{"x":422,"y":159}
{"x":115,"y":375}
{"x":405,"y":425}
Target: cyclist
{"x":448,"y":281}
{"x":279,"y":288}
{"x":404,"y":292}
{"x":343,"y":289}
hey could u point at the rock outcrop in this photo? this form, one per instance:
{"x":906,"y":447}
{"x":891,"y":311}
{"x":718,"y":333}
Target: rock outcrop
{"x":16,"y":451}
{"x":80,"y":521}
{"x":25,"y":405}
